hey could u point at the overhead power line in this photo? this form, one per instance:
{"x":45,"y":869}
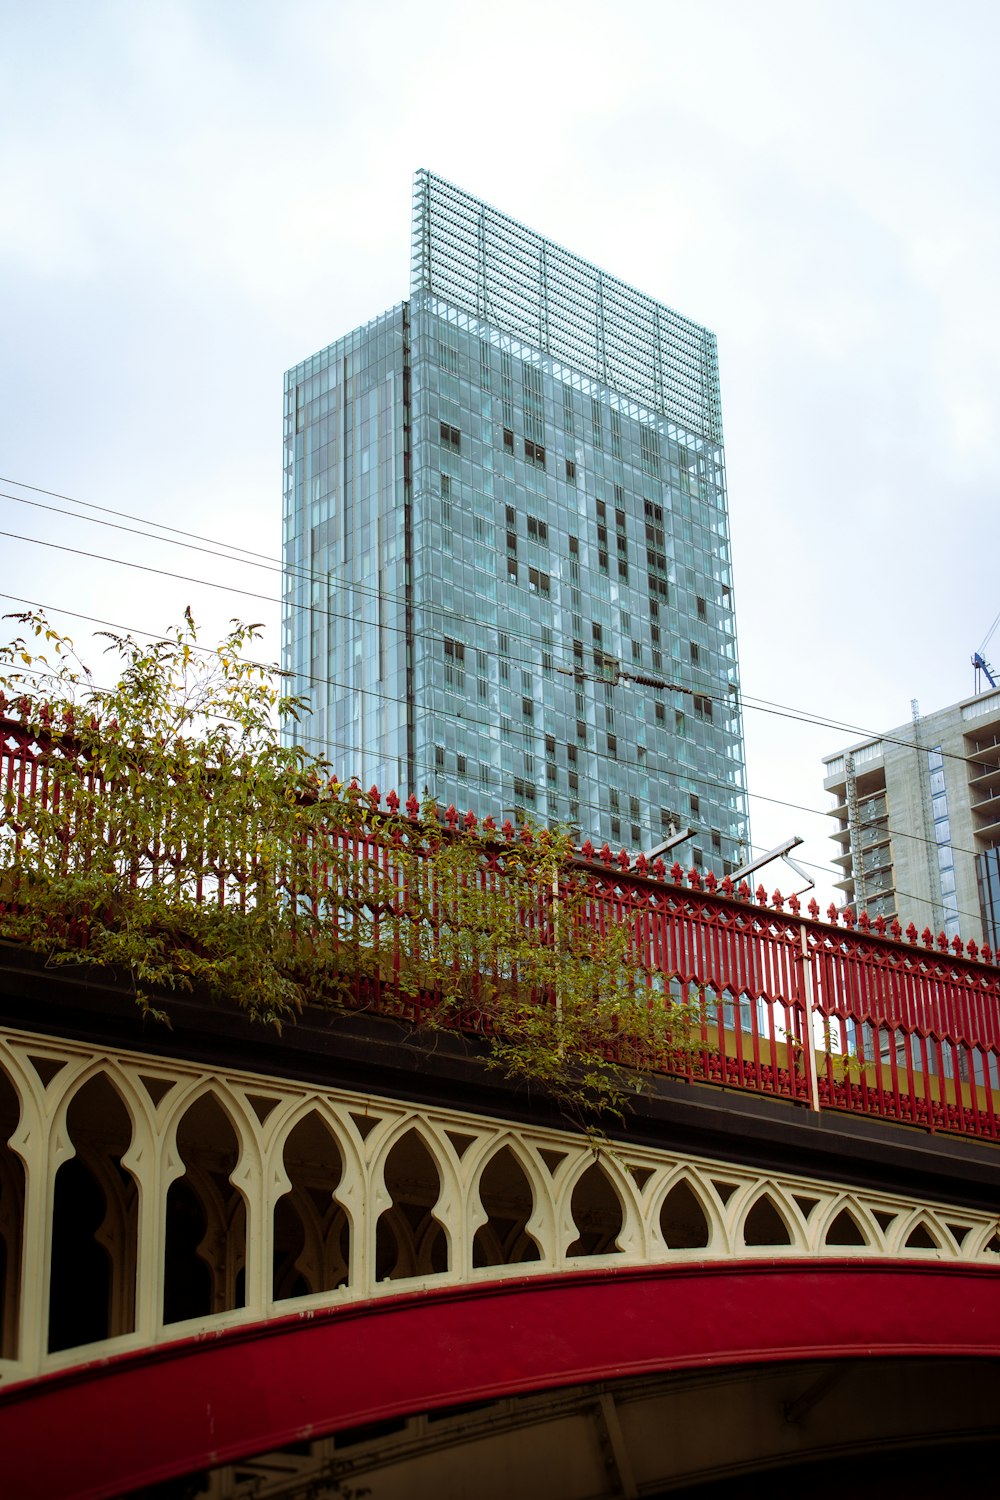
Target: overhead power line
{"x":108,"y":510}
{"x":523,"y":733}
{"x":825,"y":869}
{"x":225,"y":551}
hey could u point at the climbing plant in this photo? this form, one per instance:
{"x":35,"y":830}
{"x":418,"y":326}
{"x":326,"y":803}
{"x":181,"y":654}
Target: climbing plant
{"x":173,"y":836}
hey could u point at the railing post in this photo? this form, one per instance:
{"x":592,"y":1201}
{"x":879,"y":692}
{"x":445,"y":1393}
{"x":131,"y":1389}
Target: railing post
{"x":557,"y":997}
{"x":808,"y":1005}
{"x":144,"y":1159}
{"x":32,"y":1142}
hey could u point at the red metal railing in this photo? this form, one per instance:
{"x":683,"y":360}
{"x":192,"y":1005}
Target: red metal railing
{"x":832,"y":1015}
{"x":840,"y":1014}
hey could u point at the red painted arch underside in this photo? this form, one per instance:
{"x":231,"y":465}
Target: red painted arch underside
{"x":108,"y":1427}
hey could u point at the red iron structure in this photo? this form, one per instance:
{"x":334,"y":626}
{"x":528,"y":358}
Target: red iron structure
{"x":200,"y":1402}
{"x":844,"y":1014}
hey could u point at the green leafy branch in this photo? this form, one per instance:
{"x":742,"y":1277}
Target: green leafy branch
{"x":174,"y":838}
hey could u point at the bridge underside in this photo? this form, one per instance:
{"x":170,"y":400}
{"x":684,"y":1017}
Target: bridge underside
{"x":356,"y":1264}
{"x":746,"y":1432}
{"x":636,"y":1381}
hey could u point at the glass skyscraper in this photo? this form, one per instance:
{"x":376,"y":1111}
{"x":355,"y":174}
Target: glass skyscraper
{"x":506,"y":542}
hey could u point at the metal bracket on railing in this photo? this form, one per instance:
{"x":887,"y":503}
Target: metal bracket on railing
{"x":808,"y":1010}
{"x":681,"y":836}
{"x":780,"y":851}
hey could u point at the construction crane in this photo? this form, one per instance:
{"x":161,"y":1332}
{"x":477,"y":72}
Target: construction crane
{"x":979,"y":659}
{"x":982,"y":666}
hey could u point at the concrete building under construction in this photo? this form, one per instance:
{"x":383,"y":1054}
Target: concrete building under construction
{"x":918,"y":820}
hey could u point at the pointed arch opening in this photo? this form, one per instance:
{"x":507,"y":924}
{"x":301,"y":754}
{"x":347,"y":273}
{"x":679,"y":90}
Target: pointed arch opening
{"x":312,"y":1233}
{"x":597,"y":1213}
{"x":505,"y":1193}
{"x":920,"y":1237}
{"x":845,"y":1230}
{"x":764,"y":1225}
{"x":408,"y":1239}
{"x":94,"y":1224}
{"x":205,"y":1248}
{"x":683,"y":1221}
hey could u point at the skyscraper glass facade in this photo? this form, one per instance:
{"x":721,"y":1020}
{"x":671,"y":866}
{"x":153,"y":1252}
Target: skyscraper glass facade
{"x":506,"y":541}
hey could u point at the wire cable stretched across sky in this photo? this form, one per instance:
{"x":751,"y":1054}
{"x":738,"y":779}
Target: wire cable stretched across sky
{"x":827,"y":870}
{"x":522,"y":731}
{"x":224,"y":551}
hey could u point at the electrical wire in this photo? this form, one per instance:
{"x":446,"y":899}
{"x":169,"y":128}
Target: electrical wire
{"x":824,"y":869}
{"x":247,"y":593}
{"x":271,"y":564}
{"x":427,"y":769}
{"x":108,"y":510}
{"x":331,"y":614}
{"x":226,"y":552}
{"x":989,"y":635}
{"x":827,"y":869}
{"x":98,"y":687}
{"x":760,"y":705}
{"x":384,"y":697}
{"x":333,"y":744}
{"x":959,"y":911}
{"x":224,"y":549}
{"x":726,"y":701}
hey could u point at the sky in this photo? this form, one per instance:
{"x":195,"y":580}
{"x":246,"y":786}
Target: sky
{"x":194,"y":196}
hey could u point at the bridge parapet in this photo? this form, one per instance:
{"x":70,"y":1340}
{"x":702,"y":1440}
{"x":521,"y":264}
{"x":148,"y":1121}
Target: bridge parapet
{"x":158,"y":1199}
{"x":183,"y":1214}
{"x":845,"y":1015}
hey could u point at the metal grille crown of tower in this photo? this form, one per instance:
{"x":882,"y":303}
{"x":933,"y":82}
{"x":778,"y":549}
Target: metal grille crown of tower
{"x":468,"y":255}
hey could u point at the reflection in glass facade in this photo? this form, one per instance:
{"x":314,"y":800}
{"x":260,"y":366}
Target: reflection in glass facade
{"x":499,"y":514}
{"x":988,"y":878}
{"x":942,"y":840}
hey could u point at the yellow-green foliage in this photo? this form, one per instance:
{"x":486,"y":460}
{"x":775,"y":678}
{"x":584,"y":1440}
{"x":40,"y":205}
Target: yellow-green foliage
{"x":182,"y":845}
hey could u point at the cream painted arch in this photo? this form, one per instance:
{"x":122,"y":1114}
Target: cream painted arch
{"x":246,"y":1177}
{"x":741,"y":1205}
{"x":540,"y":1225}
{"x":135,"y":1101}
{"x":320,"y":1252}
{"x":28,"y":1088}
{"x":351,"y":1190}
{"x":447,"y":1209}
{"x":118,"y":1234}
{"x":44,"y":1144}
{"x":704,"y":1195}
{"x":630,"y":1238}
{"x":824,"y":1216}
{"x":934,"y":1224}
{"x":348,"y":1194}
{"x":982,"y":1241}
{"x":552,"y":1160}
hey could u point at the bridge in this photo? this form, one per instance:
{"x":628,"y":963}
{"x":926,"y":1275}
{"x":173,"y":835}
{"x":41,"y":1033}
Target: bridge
{"x":353,"y":1259}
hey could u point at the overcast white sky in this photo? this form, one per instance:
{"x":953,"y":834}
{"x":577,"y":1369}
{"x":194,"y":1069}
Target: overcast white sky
{"x":194,"y":196}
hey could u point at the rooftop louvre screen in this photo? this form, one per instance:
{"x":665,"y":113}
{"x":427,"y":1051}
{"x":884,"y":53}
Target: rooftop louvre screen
{"x":470,"y":256}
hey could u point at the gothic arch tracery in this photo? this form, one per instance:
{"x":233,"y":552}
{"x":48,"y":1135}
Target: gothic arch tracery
{"x":406,"y":1201}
